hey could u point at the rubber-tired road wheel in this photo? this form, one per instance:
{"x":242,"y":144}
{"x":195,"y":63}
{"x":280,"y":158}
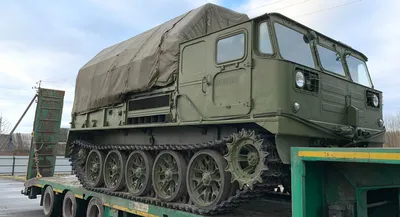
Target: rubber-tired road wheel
{"x":70,"y":205}
{"x":95,"y":208}
{"x":138,"y":172}
{"x":48,"y":201}
{"x":169,"y":171}
{"x":94,"y":168}
{"x":207,"y":181}
{"x":114,"y":170}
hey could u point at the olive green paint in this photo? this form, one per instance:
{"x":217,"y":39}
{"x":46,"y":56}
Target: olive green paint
{"x":46,"y":132}
{"x":256,"y":88}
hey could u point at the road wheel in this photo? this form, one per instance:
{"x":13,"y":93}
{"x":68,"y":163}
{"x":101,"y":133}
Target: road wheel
{"x":138,"y":172}
{"x":207,"y":181}
{"x":94,"y":168}
{"x":114,"y":170}
{"x":169,"y":172}
{"x":70,"y":205}
{"x":48,"y":201}
{"x":95,"y":208}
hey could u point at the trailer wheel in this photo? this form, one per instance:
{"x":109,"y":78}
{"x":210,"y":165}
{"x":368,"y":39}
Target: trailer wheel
{"x":48,"y":201}
{"x":70,"y":205}
{"x":95,"y":208}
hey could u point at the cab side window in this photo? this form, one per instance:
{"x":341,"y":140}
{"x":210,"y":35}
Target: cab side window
{"x":231,"y":48}
{"x":264,"y":41}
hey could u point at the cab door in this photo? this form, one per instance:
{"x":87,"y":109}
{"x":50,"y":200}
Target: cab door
{"x":227,"y":83}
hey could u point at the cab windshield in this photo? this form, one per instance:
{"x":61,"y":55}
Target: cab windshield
{"x":294,"y":46}
{"x":330,"y":60}
{"x":358,"y":71}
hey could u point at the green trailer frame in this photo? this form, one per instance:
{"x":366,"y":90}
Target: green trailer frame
{"x":345,"y":182}
{"x":332,"y":182}
{"x":121,"y":207}
{"x":113,"y":206}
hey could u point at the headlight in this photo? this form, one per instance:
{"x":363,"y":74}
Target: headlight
{"x":375,"y":100}
{"x":300,"y":79}
{"x":380,"y":122}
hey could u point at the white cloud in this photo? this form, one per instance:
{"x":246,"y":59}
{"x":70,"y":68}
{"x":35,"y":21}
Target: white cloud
{"x":52,"y":43}
{"x":23,"y":66}
{"x":146,"y":14}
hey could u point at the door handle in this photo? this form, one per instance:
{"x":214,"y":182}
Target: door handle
{"x":204,"y":81}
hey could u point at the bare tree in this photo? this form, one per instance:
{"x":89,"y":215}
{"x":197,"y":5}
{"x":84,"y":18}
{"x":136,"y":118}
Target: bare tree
{"x":392,"y":124}
{"x":5,"y":128}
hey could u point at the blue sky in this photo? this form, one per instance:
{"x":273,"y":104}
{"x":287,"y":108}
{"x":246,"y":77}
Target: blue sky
{"x":50,"y":40}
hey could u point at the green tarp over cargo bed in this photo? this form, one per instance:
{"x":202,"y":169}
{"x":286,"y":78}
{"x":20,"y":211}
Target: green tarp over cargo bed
{"x":147,"y":60}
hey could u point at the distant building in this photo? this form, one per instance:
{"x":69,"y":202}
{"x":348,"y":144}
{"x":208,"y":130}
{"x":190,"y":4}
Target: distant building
{"x":22,"y":143}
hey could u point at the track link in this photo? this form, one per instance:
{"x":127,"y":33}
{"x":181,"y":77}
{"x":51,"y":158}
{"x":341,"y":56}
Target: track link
{"x":271,"y":177}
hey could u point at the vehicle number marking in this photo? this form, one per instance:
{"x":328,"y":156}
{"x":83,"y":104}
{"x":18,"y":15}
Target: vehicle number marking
{"x":139,"y":206}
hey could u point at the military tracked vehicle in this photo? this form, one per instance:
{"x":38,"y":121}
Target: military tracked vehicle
{"x":199,"y":113}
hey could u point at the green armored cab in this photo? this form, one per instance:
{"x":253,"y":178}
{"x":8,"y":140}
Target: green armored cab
{"x":199,"y":113}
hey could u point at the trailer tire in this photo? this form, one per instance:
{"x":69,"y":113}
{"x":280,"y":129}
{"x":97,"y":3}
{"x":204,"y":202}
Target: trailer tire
{"x":70,"y":205}
{"x":48,"y":201}
{"x":95,"y":208}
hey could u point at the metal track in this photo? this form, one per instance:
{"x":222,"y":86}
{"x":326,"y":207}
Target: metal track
{"x":271,"y":177}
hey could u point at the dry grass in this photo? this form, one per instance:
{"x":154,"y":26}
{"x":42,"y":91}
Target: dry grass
{"x":392,"y":139}
{"x":17,"y":178}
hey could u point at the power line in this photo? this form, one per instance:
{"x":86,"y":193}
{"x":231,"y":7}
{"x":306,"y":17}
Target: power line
{"x":294,"y":4}
{"x":261,"y":6}
{"x":329,"y":8}
{"x":288,"y":6}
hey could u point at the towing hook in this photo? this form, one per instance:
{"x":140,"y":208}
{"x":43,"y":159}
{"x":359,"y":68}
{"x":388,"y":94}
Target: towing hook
{"x":361,"y":133}
{"x":345,"y":131}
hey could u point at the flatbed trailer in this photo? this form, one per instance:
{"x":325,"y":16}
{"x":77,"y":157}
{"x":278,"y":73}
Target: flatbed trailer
{"x":326,"y":182}
{"x":333,"y":182}
{"x":120,"y":207}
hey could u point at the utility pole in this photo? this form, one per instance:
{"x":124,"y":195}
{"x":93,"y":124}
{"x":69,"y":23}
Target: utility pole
{"x":37,"y":87}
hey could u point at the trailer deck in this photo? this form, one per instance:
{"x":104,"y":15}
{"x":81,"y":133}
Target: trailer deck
{"x":345,"y":182}
{"x":113,"y":204}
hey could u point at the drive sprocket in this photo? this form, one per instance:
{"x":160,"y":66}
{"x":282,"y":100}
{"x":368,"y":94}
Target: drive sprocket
{"x":246,"y":159}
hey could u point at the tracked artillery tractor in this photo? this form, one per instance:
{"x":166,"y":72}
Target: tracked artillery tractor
{"x":199,"y":113}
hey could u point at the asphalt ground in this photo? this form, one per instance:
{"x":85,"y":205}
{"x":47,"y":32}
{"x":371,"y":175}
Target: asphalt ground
{"x":14,"y":204}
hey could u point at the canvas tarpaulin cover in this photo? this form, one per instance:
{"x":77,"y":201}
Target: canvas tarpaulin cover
{"x":147,"y":60}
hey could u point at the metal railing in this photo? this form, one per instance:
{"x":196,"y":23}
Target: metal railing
{"x":16,"y":165}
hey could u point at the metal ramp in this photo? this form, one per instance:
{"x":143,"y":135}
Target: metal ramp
{"x":46,"y":130}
